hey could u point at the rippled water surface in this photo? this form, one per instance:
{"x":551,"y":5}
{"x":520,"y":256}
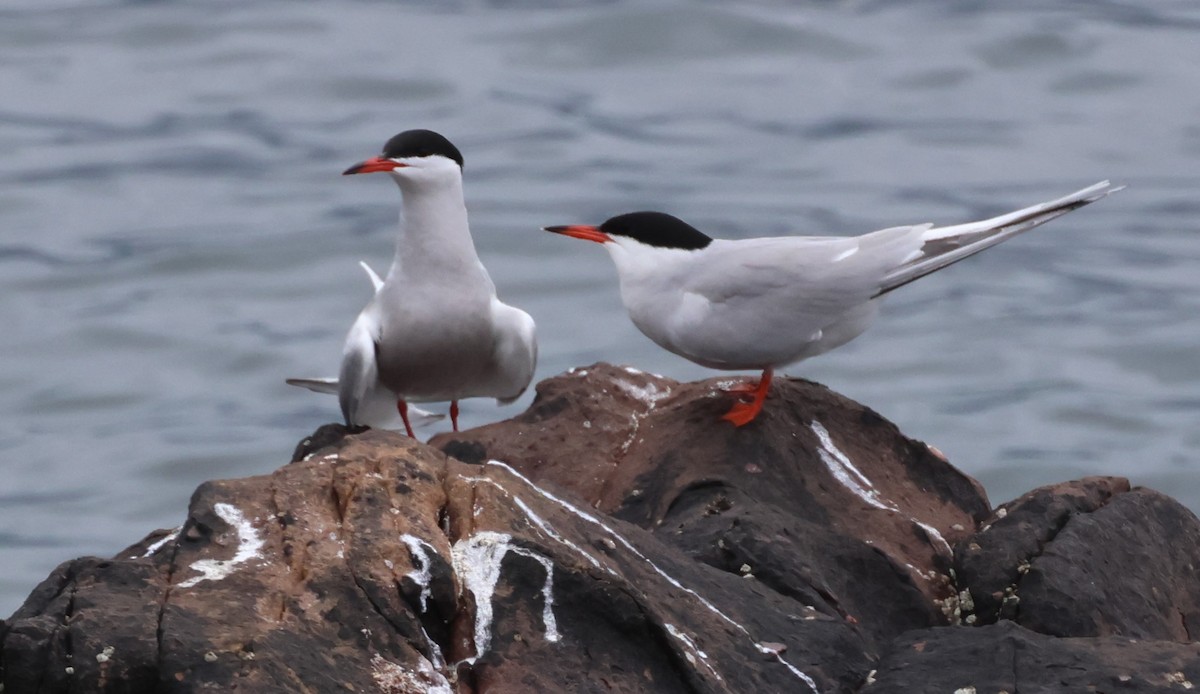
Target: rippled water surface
{"x":175,"y":237}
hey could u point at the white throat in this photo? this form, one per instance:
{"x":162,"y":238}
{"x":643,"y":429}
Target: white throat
{"x":647,"y":273}
{"x":638,"y":262}
{"x":434,"y":233}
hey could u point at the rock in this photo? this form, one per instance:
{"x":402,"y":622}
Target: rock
{"x":619,"y":537}
{"x":380,"y":564}
{"x":1088,"y":558}
{"x":90,"y":626}
{"x":822,"y":499}
{"x":1005,"y":657}
{"x":992,"y":561}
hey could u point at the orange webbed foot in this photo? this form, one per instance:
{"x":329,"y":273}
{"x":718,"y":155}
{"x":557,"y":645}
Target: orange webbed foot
{"x":743,"y":412}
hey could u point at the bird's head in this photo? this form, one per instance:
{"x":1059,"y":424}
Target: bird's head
{"x":654,"y":229}
{"x":415,"y":156}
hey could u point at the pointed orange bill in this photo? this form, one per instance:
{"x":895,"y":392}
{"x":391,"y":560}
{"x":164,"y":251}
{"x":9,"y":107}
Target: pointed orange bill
{"x":373,"y":165}
{"x":581,"y":231}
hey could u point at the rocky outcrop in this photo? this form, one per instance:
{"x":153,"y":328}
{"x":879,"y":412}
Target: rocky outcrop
{"x":1088,"y":558}
{"x":1005,"y":657}
{"x":820,"y":499}
{"x":618,"y":537}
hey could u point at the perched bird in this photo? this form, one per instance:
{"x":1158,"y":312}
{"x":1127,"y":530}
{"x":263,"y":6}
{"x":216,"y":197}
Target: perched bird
{"x":377,"y":405}
{"x":434,"y":330}
{"x":764,"y":303}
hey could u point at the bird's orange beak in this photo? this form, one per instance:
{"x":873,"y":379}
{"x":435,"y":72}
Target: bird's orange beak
{"x":581,"y":231}
{"x":373,"y":165}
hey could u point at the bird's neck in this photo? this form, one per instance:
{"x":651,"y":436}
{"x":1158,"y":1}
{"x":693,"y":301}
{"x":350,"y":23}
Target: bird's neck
{"x":646,"y":274}
{"x":434,"y":234}
{"x":638,"y":263}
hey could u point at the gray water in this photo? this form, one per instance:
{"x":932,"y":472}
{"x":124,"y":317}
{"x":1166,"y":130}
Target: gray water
{"x":175,"y":237}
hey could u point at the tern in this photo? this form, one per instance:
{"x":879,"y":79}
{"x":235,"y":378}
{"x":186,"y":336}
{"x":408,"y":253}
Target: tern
{"x":377,"y":406}
{"x":763,"y":303}
{"x":434,"y":330}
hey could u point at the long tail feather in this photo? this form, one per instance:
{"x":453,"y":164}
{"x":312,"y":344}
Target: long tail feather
{"x":316,"y":385}
{"x":945,"y":246}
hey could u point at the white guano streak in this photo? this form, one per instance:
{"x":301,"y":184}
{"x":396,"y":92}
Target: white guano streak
{"x":935,"y":536}
{"x":845,"y":472}
{"x":670,"y":579}
{"x":550,"y":532}
{"x":249,"y":544}
{"x":840,"y":466}
{"x":158,"y":544}
{"x":691,"y":646}
{"x":477,"y":562}
{"x":541,"y":523}
{"x":392,"y":677}
{"x":649,"y":395}
{"x":421,"y":565}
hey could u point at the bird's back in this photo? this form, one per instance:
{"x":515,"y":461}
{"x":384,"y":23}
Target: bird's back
{"x":754,"y":303}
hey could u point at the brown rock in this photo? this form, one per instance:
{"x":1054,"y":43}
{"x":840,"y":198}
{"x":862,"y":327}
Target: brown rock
{"x":382,"y":565}
{"x":825,"y":501}
{"x":992,"y":562}
{"x":1005,"y":657}
{"x":629,"y":542}
{"x":1088,"y":558}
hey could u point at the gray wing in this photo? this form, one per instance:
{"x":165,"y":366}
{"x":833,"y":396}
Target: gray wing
{"x":363,"y":399}
{"x":515,"y":355}
{"x":795,"y":296}
{"x":358,"y":374}
{"x":803,"y":275}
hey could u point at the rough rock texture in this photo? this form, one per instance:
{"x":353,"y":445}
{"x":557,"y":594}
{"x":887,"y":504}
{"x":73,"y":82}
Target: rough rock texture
{"x":1088,"y":558}
{"x":1005,"y":657}
{"x":371,"y":566}
{"x":619,"y":537}
{"x":820,"y":498}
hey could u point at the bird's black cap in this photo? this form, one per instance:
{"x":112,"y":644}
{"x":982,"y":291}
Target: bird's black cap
{"x":657,"y":229}
{"x":421,"y":143}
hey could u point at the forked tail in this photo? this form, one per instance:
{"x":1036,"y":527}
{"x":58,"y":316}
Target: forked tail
{"x":945,"y":246}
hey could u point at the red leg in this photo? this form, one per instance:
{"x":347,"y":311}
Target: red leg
{"x":403,"y":408}
{"x":742,"y":413}
{"x":454,"y":414}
